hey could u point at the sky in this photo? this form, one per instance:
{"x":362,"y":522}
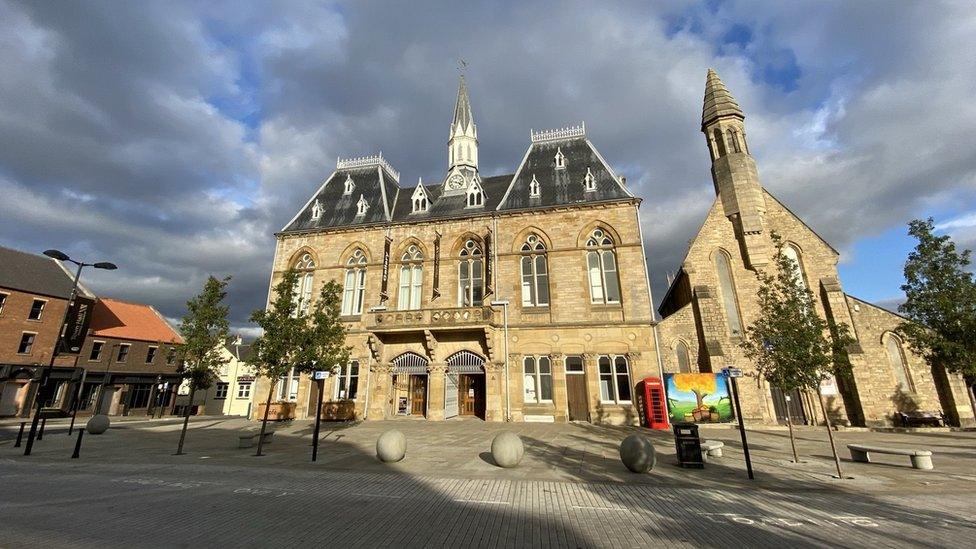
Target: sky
{"x":175,"y":138}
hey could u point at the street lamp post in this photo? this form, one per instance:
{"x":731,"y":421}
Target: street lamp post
{"x":46,"y":374}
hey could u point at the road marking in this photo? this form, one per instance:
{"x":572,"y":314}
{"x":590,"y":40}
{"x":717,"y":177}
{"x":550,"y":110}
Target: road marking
{"x":484,"y":501}
{"x":588,"y":507}
{"x":378,"y":496}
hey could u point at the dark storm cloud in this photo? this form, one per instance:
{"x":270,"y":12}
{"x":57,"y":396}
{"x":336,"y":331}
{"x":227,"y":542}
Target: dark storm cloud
{"x":175,"y":139}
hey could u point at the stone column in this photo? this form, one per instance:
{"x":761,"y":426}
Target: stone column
{"x":494,"y":403}
{"x":592,"y":370}
{"x":637,"y":374}
{"x":379,"y":398}
{"x":559,"y":397}
{"x":515,"y":388}
{"x":436,"y":372}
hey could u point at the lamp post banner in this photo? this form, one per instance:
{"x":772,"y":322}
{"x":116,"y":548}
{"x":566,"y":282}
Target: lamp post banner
{"x":76,"y":325}
{"x":384,"y":294}
{"x":437,"y":267}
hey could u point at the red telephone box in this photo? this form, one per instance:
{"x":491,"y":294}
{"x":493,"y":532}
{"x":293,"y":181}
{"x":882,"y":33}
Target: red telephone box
{"x":655,"y":403}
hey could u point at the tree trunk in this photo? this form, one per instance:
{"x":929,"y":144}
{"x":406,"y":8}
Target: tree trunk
{"x":186,"y":421}
{"x":264,"y":422}
{"x":830,"y":434}
{"x":789,"y":423}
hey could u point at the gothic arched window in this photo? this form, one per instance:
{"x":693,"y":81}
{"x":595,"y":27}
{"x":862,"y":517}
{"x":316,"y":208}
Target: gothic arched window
{"x":793,"y":255}
{"x":719,"y":143}
{"x":681,"y":354}
{"x":535,"y":273}
{"x":727,"y":287}
{"x":303,"y":286}
{"x":899,"y":366}
{"x":601,"y":268}
{"x":471,"y":280}
{"x":733,"y":140}
{"x":475,"y":196}
{"x":355,"y":284}
{"x":411,"y":278}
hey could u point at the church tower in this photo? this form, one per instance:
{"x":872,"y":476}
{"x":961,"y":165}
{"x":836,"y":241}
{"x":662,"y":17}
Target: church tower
{"x":734,"y":171}
{"x":462,"y":145}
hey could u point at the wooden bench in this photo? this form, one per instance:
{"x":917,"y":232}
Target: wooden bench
{"x":911,"y":419}
{"x":921,"y":459}
{"x":247,"y":438}
{"x":712,"y":448}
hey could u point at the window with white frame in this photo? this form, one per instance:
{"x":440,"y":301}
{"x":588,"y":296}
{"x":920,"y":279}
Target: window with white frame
{"x":123,"y":353}
{"x":560,"y":159}
{"x":535,"y":273}
{"x":601,"y":267}
{"x":244,"y":389}
{"x":303,"y":286}
{"x":535,"y":190}
{"x":589,"y":181}
{"x":37,"y":308}
{"x":220,"y":390}
{"x":899,"y":366}
{"x":727,"y":287}
{"x":411,"y":279}
{"x":349,"y":185}
{"x":476,"y":197}
{"x":355,"y":284}
{"x":614,"y":379}
{"x":151,"y":354}
{"x":316,"y":209}
{"x":471,"y":281}
{"x":347,"y":382}
{"x":288,"y":388}
{"x":362,"y":206}
{"x":96,"y":350}
{"x":26,"y":343}
{"x":537,"y":372}
{"x":419,"y":199}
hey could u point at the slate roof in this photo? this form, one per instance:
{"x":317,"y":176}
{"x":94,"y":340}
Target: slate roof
{"x":566,"y":185}
{"x":462,"y":107}
{"x":340,"y":209}
{"x":451,"y":206}
{"x":136,"y":321}
{"x":36,"y":274}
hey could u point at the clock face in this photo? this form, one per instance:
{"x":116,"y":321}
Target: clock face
{"x":455,"y":182}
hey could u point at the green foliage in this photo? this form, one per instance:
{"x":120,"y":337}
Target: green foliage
{"x":204,"y":329}
{"x":277,"y":350}
{"x":791,"y":345}
{"x":325,"y":336}
{"x":940,"y":301}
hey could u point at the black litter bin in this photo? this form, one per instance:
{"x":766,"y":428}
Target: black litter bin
{"x":687,"y":445}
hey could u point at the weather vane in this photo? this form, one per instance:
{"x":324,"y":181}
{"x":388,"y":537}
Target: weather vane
{"x":462,"y":65}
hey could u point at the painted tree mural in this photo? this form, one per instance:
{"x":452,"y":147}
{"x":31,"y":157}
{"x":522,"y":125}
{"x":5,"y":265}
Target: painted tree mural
{"x":701,"y":386}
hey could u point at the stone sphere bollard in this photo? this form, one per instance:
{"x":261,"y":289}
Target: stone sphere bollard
{"x":637,"y":453}
{"x":98,"y":424}
{"x":391,"y":446}
{"x":507,"y":450}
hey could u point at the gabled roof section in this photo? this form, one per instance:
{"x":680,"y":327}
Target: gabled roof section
{"x":36,"y":274}
{"x":567,"y":185}
{"x":453,"y":205}
{"x":135,"y":321}
{"x":375,"y":180}
{"x":718,"y":100}
{"x":800,"y":219}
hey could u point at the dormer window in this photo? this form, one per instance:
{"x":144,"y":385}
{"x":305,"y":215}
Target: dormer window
{"x":534,"y":188}
{"x":476,"y":198}
{"x":362,"y":206}
{"x":419,"y":199}
{"x":589,"y":182}
{"x":349,"y":185}
{"x":316,"y":210}
{"x":560,"y":159}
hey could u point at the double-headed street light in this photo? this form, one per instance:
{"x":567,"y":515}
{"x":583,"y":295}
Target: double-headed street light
{"x":60,"y":256}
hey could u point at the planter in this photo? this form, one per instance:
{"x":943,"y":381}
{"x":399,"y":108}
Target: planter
{"x":279,"y":411}
{"x":339,"y":410}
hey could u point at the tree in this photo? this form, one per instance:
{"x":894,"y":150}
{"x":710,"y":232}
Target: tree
{"x":204,"y":329}
{"x":791,"y":345}
{"x":325,"y":335}
{"x":940,"y":301}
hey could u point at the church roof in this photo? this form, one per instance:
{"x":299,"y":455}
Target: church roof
{"x":454,"y":205}
{"x":462,"y":108}
{"x":718,"y":101}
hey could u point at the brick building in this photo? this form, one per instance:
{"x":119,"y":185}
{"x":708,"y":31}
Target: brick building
{"x":713,"y":298}
{"x":34,"y":293}
{"x":521,"y":296}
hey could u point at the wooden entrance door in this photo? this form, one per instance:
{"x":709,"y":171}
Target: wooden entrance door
{"x":794,"y":407}
{"x":471,"y":395}
{"x":418,"y":395}
{"x":576,"y":395}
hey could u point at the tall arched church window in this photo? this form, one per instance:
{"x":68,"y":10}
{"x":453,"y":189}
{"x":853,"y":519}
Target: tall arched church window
{"x":729,"y":299}
{"x":355,"y":284}
{"x":601,"y":268}
{"x":681,"y":354}
{"x":719,"y":143}
{"x":411,"y":278}
{"x":471,"y":280}
{"x":303,"y":286}
{"x":899,"y":366}
{"x":793,"y":255}
{"x":535,"y":273}
{"x":733,"y":140}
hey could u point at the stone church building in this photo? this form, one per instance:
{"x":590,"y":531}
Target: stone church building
{"x":525,"y":296}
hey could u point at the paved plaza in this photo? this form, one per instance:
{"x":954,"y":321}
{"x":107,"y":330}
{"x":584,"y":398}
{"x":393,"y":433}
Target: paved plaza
{"x":128,"y":490}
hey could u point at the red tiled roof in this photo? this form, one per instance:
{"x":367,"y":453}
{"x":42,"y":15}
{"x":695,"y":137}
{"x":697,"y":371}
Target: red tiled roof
{"x":123,"y":320}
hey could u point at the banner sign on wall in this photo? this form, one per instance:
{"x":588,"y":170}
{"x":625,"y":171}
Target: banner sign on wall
{"x":437,"y":267}
{"x":698,"y":398}
{"x":489,"y":284}
{"x":384,"y":294}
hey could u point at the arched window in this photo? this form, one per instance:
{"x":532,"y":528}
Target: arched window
{"x":303,"y":286}
{"x":589,"y":182}
{"x":349,"y":185}
{"x":537,"y":379}
{"x":899,"y":366}
{"x":729,"y":299}
{"x":560,"y":159}
{"x":471,"y":281}
{"x":601,"y":266}
{"x":614,"y":379}
{"x":316,"y":209}
{"x":475,"y":196}
{"x":733,"y":140}
{"x":793,"y":255}
{"x":411,"y":278}
{"x":534,"y":188}
{"x":355,"y":286}
{"x":535,"y":273}
{"x":681,"y":353}
{"x":361,"y":206}
{"x":719,"y":143}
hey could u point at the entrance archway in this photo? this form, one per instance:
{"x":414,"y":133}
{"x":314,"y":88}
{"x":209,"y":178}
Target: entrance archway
{"x":410,"y":385}
{"x":466,"y":376}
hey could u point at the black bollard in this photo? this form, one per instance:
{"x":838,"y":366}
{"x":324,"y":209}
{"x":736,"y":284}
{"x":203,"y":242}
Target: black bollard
{"x":20,"y":435}
{"x":40,"y":432}
{"x":77,"y":451}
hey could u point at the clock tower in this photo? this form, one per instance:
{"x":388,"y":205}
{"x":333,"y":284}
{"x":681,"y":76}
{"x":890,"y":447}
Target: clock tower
{"x":462,"y":146}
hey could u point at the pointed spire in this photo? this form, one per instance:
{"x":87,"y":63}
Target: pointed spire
{"x":462,"y":109}
{"x":718,"y":101}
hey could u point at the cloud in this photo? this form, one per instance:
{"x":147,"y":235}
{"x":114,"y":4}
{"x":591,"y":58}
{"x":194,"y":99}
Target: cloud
{"x":174,"y":140}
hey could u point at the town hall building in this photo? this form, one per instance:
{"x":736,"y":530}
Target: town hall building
{"x":525,"y":296}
